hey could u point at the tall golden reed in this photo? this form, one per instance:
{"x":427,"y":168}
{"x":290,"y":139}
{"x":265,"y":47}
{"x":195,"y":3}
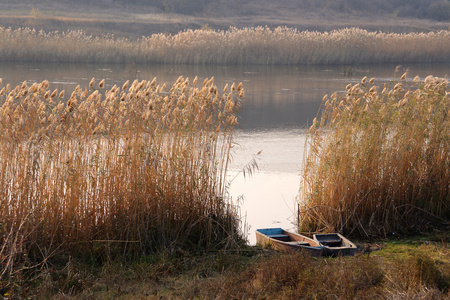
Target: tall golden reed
{"x":259,"y":45}
{"x":379,"y":160}
{"x":114,"y":172}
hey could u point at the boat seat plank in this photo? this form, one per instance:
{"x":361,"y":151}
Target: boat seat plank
{"x":332,"y":242}
{"x":300,"y":243}
{"x":281,"y":237}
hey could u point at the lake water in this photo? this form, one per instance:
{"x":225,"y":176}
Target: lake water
{"x":279,"y":104}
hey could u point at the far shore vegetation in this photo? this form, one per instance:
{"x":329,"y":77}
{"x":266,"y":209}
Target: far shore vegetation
{"x":137,"y":18}
{"x":255,"y":45}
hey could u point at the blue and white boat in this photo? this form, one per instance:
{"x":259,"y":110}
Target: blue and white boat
{"x":280,"y":239}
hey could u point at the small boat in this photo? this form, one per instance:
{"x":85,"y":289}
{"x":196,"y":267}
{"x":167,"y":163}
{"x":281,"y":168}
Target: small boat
{"x":280,"y":239}
{"x":335,"y":244}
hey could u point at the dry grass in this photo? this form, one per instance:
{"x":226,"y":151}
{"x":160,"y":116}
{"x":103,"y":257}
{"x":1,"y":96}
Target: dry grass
{"x":379,"y":160}
{"x":259,"y":45}
{"x":119,"y":172}
{"x":399,"y":271}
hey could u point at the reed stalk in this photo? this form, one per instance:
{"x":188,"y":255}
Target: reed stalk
{"x":379,"y":160}
{"x":124,"y":171}
{"x":256,"y":45}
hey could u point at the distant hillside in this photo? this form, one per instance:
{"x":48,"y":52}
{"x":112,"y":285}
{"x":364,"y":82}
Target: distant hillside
{"x":438,"y":10}
{"x":144,"y":17}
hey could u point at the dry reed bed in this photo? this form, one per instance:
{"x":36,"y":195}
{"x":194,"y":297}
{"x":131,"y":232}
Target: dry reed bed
{"x":114,"y":172}
{"x":259,"y":45}
{"x":379,"y":159}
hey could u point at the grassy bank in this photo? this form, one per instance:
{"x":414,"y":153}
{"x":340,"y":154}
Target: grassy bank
{"x":401,"y":269}
{"x":260,"y":45}
{"x":379,"y":160}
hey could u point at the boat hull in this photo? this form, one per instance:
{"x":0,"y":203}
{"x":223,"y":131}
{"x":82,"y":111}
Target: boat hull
{"x":282,"y":240}
{"x":334,"y":244}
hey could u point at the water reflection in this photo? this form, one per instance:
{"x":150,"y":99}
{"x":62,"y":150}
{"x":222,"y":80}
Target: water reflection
{"x":268,"y":196}
{"x":276,"y":96}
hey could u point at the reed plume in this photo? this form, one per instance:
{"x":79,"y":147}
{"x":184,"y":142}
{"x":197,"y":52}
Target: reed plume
{"x":379,"y":160}
{"x":117,"y":172}
{"x":256,"y":45}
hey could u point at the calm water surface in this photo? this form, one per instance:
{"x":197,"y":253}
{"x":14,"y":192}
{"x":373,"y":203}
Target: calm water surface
{"x":280,"y":103}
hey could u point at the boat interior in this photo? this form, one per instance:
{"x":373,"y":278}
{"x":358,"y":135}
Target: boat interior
{"x":330,"y":240}
{"x":278,"y":234}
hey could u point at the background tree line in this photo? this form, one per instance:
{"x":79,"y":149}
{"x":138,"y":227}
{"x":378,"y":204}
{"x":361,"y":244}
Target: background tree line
{"x":438,"y":10}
